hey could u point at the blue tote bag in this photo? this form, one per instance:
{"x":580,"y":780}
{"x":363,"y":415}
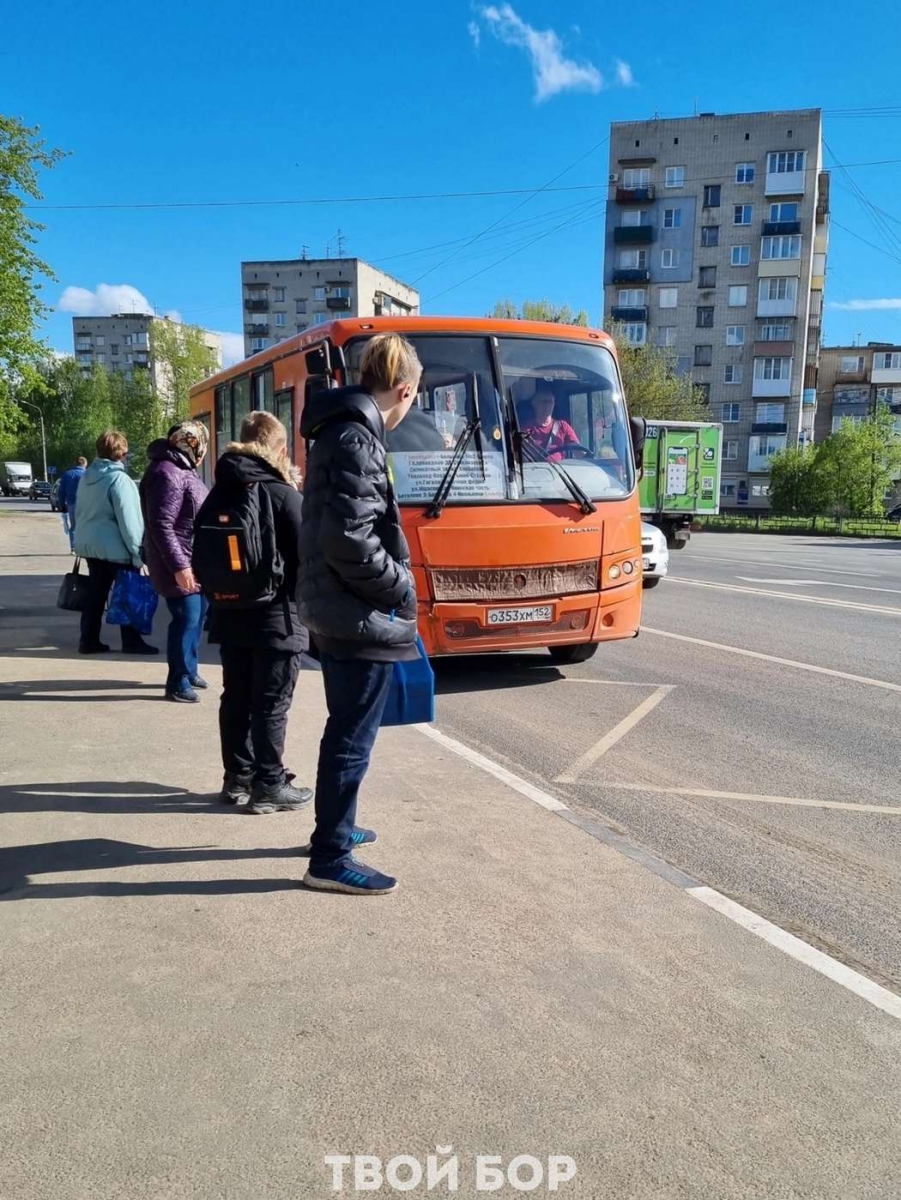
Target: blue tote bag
{"x":133,"y":601}
{"x":411,"y":696}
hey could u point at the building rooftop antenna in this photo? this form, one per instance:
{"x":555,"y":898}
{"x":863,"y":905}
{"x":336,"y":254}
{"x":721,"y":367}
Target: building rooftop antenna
{"x":304,"y":252}
{"x":340,"y":240}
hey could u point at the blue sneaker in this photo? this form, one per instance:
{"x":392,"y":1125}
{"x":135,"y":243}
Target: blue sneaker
{"x":359,"y":837}
{"x":351,"y":876}
{"x":198,"y":681}
{"x":183,"y":695}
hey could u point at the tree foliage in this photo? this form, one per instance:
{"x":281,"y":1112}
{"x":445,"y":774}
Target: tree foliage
{"x":540,"y":310}
{"x":181,"y":358}
{"x":653,"y":386}
{"x":796,"y":485}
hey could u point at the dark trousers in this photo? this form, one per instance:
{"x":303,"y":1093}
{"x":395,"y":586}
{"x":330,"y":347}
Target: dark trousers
{"x":257,"y":688}
{"x":101,"y":576}
{"x":183,"y":641}
{"x":355,"y":693}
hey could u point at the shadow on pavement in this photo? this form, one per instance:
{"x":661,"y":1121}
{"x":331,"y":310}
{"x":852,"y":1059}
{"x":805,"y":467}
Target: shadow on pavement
{"x":125,"y":796}
{"x":57,"y":690}
{"x":19,"y":863}
{"x":488,"y":673}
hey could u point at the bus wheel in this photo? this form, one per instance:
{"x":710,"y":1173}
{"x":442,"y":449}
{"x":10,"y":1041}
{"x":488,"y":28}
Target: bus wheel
{"x":581,"y":652}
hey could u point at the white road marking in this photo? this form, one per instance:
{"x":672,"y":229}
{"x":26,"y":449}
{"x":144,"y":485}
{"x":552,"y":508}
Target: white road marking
{"x":783,"y":662}
{"x":600,"y":748}
{"x":853,"y":981}
{"x":711,"y":795}
{"x":612,"y":682}
{"x":855,"y":587}
{"x":792,"y":566}
{"x":535,"y":794}
{"x":731,"y":587}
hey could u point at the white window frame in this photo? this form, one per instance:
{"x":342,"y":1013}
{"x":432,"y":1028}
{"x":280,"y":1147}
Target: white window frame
{"x":632,"y":218}
{"x":744,"y":172}
{"x":786,"y":284}
{"x":785,"y":162}
{"x":708,"y":231}
{"x":739,"y":253}
{"x":742,"y":214}
{"x":735,"y":335}
{"x":626,"y":262}
{"x":318,"y":293}
{"x":668,"y":297}
{"x":730,"y":413}
{"x":672,"y":218}
{"x":257,"y":344}
{"x":738,"y":295}
{"x":780,"y":246}
{"x":773,"y":367}
{"x":636,"y":332}
{"x":886,"y":394}
{"x":730,"y":450}
{"x":887,"y":360}
{"x":674,"y":177}
{"x":666,"y":335}
{"x":766,"y":332}
{"x":100,"y":340}
{"x":851,"y":364}
{"x":631,"y":298}
{"x":669,"y":258}
{"x":636,"y":177}
{"x":280,"y":319}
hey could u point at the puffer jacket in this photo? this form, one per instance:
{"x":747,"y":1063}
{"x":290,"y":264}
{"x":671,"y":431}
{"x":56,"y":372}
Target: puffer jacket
{"x":275,"y":626}
{"x":355,"y":587}
{"x":171,"y":496}
{"x":110,"y":525}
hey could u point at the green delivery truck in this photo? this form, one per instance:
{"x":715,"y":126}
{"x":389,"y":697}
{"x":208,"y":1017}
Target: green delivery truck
{"x":681,"y":478}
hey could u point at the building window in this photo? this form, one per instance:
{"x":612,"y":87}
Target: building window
{"x":672,"y":218}
{"x":742,"y":214}
{"x":888,"y":395}
{"x":632,"y":260}
{"x":781,"y":247}
{"x":632,"y":217}
{"x":702,"y":392}
{"x":704,"y":318}
{"x":732,"y":373}
{"x":280,"y":319}
{"x":636,"y":177}
{"x":128,"y":339}
{"x":710,"y":235}
{"x":761,"y":490}
{"x":669,"y":258}
{"x":727,"y":491}
{"x":631,"y":297}
{"x":731,"y":413}
{"x":319,"y":318}
{"x":114,"y":349}
{"x":666,"y":335}
{"x":278,"y":295}
{"x":741,"y":256}
{"x":636,"y":332}
{"x":712,"y":195}
{"x":343,"y":293}
{"x":83,"y":343}
{"x":707,"y":277}
{"x":890,"y":361}
{"x":785,"y":162}
{"x":300,"y":328}
{"x":772,"y":368}
{"x":300,"y":307}
{"x":100,"y":358}
{"x":675,"y":177}
{"x":784,"y":211}
{"x":851,"y":364}
{"x":744,"y":172}
{"x":738,"y":296}
{"x":319,"y":293}
{"x":258,"y":343}
{"x":100,"y":340}
{"x":770,"y":414}
{"x":735,"y":335}
{"x":703,"y":356}
{"x":780,"y":287}
{"x":762,"y":448}
{"x":668,"y":297}
{"x":774,"y":333}
{"x":730,"y":451}
{"x":257,"y":293}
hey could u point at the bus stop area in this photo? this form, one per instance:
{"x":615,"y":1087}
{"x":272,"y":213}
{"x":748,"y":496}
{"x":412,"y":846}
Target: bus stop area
{"x":182,"y":1019}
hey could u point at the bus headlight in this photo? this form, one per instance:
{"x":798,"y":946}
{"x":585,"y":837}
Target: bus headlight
{"x":614,"y":572}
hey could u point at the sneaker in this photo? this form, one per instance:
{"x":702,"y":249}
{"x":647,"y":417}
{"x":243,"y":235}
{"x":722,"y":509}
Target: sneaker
{"x":359,"y":837}
{"x":183,"y":695}
{"x":235,"y":790}
{"x":281,"y":798}
{"x":97,"y":648}
{"x":349,"y":875}
{"x":141,"y":648}
{"x":198,"y":681}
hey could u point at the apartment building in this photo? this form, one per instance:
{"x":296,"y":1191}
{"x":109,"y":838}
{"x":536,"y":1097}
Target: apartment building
{"x":715,"y":245}
{"x":283,"y":298}
{"x":121,"y":343}
{"x":853,"y":380}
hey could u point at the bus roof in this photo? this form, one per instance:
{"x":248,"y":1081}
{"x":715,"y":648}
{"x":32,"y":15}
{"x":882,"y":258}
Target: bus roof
{"x":342,"y":329}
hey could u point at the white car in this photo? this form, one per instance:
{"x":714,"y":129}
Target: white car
{"x":654,"y":553}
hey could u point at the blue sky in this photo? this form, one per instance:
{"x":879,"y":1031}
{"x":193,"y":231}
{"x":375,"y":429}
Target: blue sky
{"x":176,"y":102}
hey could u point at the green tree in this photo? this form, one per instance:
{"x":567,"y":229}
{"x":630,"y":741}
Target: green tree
{"x":797,"y":485}
{"x":858,"y":464}
{"x":654,"y":387}
{"x":23,"y":154}
{"x":181,"y":358}
{"x":76,"y":408}
{"x":540,"y":310}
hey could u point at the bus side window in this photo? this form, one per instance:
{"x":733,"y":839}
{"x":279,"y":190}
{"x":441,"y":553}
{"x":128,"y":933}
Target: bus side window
{"x":284,"y":410}
{"x":224,"y":420}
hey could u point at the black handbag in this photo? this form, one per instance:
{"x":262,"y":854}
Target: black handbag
{"x":73,"y":591}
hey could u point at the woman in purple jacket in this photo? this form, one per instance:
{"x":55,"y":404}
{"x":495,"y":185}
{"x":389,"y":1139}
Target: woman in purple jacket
{"x":171,"y":496}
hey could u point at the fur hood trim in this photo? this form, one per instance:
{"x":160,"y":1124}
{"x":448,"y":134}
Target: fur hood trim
{"x":279,"y":463}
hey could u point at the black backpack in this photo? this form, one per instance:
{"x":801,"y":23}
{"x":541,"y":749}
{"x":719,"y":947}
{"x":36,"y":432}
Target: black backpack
{"x":235,"y":558}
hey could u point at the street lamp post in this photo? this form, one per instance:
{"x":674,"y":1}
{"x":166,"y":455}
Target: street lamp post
{"x":28,"y":404}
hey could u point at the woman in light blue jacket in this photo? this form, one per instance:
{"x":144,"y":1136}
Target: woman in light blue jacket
{"x":108,"y":534}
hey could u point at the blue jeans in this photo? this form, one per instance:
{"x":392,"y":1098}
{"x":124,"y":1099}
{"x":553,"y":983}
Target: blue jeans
{"x":183,"y":642}
{"x":355,"y":692}
{"x":68,"y":529}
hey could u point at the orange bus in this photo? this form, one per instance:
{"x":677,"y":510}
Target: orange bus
{"x":512,"y":547}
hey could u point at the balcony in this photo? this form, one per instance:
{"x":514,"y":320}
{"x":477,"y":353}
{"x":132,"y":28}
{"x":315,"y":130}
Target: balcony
{"x":633,"y":235}
{"x":257,"y":330}
{"x":785,"y":183}
{"x":772,"y":228}
{"x":256,"y":305}
{"x":885,"y":375}
{"x":765,"y":389}
{"x":636,"y":195}
{"x":631,"y":275}
{"x":774,"y":349}
{"x":338,"y":303}
{"x":622,"y":313}
{"x":769,"y":427}
{"x":785,"y":307}
{"x":822,"y":198}
{"x":860,"y":376}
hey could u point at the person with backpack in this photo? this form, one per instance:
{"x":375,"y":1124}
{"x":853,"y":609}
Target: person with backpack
{"x":356,"y":593}
{"x":172,"y":494}
{"x":245,"y":558}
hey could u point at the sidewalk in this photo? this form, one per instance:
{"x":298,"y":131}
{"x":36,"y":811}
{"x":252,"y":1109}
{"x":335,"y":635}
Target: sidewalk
{"x":182,"y":1020}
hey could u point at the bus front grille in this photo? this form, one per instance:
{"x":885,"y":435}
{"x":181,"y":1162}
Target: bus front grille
{"x":472,"y":584}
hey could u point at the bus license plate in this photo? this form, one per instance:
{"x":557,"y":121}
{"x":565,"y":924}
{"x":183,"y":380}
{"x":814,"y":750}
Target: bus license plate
{"x":520,"y":616}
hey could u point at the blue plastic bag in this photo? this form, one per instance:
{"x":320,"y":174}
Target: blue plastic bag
{"x":411,"y":696}
{"x":133,"y":601}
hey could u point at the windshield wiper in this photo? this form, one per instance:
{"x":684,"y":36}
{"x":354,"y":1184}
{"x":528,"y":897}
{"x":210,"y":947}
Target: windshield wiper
{"x":533,"y":451}
{"x":443,"y":490}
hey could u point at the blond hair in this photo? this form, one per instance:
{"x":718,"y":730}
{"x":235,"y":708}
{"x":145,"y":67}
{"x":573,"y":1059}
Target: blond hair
{"x":112,"y":445}
{"x":264,"y":429}
{"x":388,"y":361}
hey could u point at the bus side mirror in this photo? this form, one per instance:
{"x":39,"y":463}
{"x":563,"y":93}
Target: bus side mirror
{"x":318,"y":360}
{"x":638,"y":428}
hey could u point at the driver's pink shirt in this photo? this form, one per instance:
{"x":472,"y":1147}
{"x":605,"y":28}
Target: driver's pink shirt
{"x":552,"y":437}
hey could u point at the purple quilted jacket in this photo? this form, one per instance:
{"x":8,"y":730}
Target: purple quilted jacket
{"x":171,"y":496}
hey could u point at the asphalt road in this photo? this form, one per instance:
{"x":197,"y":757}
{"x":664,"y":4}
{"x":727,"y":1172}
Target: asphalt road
{"x":773,"y":781}
{"x":18,"y":504}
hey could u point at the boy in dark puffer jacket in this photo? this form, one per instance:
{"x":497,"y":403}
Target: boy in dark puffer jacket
{"x":355,"y":593}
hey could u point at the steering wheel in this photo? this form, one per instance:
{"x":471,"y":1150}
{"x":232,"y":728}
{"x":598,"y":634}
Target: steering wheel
{"x":575,"y":450}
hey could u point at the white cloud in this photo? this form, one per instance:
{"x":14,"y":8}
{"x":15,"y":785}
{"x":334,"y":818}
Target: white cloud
{"x":232,"y":348}
{"x":552,"y":71}
{"x":865,"y":305}
{"x":475,"y":33}
{"x":104,"y":301}
{"x":172,"y":314}
{"x":624,"y":74}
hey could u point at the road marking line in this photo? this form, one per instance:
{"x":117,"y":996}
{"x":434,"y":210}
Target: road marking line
{"x":855,"y":587}
{"x":535,"y":794}
{"x":794,"y":947}
{"x":731,"y":587}
{"x":600,"y":748}
{"x":614,"y":682}
{"x":784,"y":662}
{"x":794,"y":566}
{"x":712,"y":795}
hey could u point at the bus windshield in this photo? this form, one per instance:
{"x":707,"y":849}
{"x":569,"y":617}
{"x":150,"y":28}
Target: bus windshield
{"x":563,"y":395}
